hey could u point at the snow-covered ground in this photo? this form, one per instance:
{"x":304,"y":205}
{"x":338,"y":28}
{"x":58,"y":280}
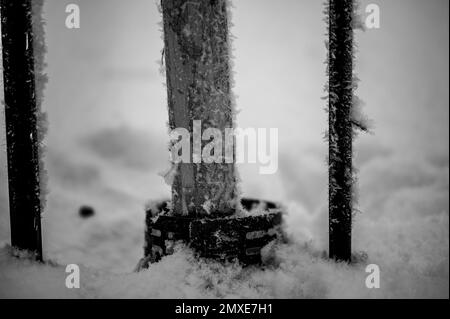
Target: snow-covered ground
{"x":107,"y":143}
{"x":413,"y":264}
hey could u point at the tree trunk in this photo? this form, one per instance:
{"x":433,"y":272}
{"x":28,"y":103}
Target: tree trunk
{"x":198,"y":87}
{"x":340,"y":128}
{"x":21,"y":125}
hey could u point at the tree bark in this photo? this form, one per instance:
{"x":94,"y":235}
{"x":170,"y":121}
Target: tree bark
{"x":340,"y":128}
{"x":198,"y":87}
{"x":21,"y":125}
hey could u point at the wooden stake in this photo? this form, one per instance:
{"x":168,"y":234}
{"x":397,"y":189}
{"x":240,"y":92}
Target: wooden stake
{"x":198,"y":88}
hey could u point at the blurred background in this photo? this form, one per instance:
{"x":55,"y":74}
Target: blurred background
{"x":107,"y":137}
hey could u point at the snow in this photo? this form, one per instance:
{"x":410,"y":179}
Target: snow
{"x":169,"y":173}
{"x":39,"y":51}
{"x":294,"y":271}
{"x":404,"y":230}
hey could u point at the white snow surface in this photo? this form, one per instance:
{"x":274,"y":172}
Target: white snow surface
{"x":412,"y":256}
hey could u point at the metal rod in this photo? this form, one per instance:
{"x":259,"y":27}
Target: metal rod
{"x":21,"y":125}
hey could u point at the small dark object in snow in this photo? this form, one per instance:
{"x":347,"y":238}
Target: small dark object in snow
{"x":86,"y":212}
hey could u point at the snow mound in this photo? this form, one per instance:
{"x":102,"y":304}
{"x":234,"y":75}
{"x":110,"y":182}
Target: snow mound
{"x":293,"y":271}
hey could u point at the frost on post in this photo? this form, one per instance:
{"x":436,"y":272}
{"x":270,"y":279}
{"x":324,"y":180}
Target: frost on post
{"x":340,"y":87}
{"x":23,"y":49}
{"x":198,"y":84}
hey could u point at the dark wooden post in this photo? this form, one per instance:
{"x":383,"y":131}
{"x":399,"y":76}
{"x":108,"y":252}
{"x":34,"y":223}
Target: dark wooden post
{"x":340,"y":70}
{"x":198,"y":87}
{"x":21,"y":125}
